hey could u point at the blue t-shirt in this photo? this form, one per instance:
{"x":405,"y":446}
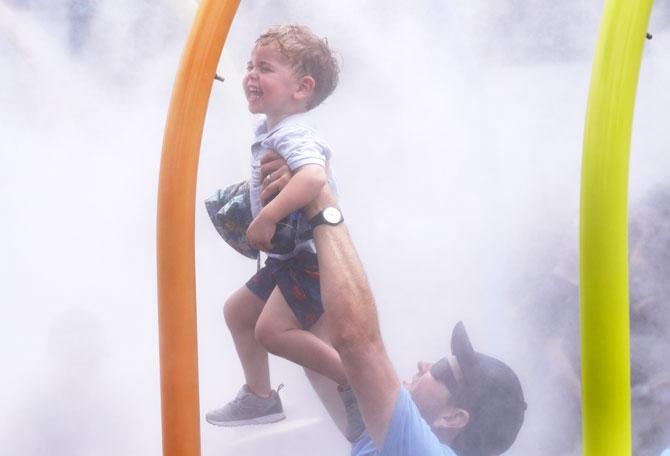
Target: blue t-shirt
{"x":408,"y":434}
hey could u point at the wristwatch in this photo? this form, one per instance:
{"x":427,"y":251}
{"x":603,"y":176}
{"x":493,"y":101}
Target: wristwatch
{"x":329,"y":216}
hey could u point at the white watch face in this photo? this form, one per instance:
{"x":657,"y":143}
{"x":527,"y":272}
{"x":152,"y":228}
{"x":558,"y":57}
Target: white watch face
{"x":332,"y":215}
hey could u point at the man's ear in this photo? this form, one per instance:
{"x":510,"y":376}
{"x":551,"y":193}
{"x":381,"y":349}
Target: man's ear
{"x":305,"y":89}
{"x":452,"y":419}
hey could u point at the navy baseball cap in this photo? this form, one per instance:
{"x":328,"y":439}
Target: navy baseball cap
{"x":491,"y":393}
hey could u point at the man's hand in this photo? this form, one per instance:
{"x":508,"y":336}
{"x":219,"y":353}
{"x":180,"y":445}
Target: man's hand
{"x":260,"y":232}
{"x":274,"y":175}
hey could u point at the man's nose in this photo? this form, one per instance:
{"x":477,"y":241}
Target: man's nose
{"x":424,"y":366}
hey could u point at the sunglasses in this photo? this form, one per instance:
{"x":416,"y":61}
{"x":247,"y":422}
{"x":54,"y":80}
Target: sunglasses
{"x":443,"y":373}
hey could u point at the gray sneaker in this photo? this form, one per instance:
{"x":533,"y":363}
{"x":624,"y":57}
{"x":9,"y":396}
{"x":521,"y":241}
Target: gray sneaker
{"x":355,"y":424}
{"x":248,"y":408}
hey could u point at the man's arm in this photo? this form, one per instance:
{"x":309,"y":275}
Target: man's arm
{"x":275,"y":175}
{"x":352,"y":323}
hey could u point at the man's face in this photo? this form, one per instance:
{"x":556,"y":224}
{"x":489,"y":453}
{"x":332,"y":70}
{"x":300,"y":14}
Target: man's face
{"x":429,"y":394}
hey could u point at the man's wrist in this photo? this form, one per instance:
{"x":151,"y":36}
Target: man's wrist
{"x":323,"y":200}
{"x":329,"y":216}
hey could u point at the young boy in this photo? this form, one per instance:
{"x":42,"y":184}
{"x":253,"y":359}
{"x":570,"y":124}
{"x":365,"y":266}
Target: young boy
{"x":291,"y":71}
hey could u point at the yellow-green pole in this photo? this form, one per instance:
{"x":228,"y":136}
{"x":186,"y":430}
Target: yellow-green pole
{"x":175,"y":227}
{"x":604,"y":229}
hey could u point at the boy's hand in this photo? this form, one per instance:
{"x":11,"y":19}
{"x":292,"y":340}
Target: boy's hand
{"x":274,"y":175}
{"x":260,"y":232}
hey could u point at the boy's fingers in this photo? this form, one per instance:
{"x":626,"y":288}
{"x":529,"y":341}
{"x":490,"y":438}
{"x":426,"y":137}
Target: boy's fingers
{"x":264,"y":246}
{"x":260,"y":244}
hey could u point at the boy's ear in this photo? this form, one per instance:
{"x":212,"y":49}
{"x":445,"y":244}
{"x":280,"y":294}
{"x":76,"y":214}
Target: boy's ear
{"x":305,"y":89}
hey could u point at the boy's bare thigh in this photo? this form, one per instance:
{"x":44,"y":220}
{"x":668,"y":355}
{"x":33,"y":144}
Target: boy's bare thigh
{"x":277,"y":316}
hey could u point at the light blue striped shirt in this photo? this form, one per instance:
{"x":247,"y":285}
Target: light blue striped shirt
{"x":298,"y":143}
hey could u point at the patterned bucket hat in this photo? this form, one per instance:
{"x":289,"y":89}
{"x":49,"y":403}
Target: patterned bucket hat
{"x":230,"y":212}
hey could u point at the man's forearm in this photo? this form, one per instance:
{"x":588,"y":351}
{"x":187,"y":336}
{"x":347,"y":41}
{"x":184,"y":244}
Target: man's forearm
{"x":348,"y":300}
{"x":353,"y":326}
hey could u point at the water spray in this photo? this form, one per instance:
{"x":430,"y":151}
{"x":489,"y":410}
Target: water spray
{"x":603,"y":256}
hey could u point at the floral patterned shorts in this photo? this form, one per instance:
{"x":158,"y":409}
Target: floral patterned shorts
{"x":298,"y":281}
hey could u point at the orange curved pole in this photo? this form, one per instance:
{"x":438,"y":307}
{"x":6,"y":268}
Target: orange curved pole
{"x":175,"y":227}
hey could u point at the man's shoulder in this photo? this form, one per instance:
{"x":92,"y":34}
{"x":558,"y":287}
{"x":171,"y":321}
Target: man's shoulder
{"x":408,"y":433}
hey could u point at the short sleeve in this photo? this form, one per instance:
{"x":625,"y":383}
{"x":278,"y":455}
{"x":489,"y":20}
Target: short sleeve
{"x":409,"y":434}
{"x":299,"y":146}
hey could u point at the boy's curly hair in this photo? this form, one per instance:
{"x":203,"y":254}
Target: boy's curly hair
{"x":308,"y":55}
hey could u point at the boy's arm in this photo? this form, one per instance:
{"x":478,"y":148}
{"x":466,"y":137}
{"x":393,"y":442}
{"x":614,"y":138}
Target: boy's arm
{"x":303,"y":187}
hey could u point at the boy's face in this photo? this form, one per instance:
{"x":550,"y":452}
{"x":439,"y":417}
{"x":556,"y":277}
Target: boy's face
{"x":270,"y":84}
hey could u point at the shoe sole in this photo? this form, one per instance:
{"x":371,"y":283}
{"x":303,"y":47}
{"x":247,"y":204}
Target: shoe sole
{"x":267,"y":419}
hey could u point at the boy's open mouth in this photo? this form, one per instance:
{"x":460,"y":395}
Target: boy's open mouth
{"x":254,"y":93}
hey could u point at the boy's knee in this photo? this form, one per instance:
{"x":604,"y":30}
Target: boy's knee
{"x":233,"y":313}
{"x":267,"y":336}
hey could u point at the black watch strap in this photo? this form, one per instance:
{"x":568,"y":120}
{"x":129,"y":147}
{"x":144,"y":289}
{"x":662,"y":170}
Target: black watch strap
{"x":328,"y":216}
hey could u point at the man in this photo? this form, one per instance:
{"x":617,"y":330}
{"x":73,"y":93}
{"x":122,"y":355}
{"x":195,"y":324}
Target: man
{"x":468,"y":403}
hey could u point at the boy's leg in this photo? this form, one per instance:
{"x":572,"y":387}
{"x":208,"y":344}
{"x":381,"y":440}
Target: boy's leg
{"x":241,"y":312}
{"x":340,"y":402}
{"x":279,"y":331}
{"x":284,"y":339}
{"x":255,"y":403}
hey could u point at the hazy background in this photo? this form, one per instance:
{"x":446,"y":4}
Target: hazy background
{"x":456,"y":132}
